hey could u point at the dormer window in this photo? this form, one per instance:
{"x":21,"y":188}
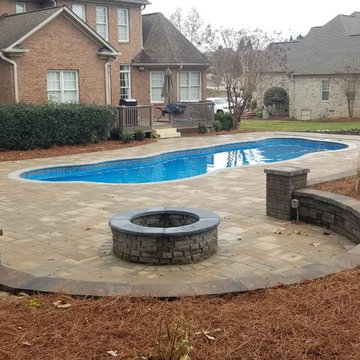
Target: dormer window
{"x":20,"y":7}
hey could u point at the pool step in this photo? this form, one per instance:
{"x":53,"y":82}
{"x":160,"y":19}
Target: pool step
{"x":165,"y":133}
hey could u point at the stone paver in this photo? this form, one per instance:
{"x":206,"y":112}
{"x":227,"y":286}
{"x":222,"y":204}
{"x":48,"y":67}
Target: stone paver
{"x":57,"y":238}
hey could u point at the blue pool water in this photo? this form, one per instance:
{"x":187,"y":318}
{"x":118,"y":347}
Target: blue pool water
{"x":184,"y":164}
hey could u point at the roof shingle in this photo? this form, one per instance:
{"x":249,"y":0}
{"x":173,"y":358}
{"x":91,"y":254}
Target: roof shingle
{"x":327,"y":49}
{"x":165,"y":44}
{"x":14,"y":27}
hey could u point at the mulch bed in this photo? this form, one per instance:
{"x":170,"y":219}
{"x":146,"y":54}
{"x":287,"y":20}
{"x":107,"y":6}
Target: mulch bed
{"x":344,"y":186}
{"x":13,"y":155}
{"x":316,"y":320}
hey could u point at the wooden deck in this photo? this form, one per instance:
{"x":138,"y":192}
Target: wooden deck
{"x":132,"y":118}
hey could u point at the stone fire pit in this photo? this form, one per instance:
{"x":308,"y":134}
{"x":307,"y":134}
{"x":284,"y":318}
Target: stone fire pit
{"x":165,"y":235}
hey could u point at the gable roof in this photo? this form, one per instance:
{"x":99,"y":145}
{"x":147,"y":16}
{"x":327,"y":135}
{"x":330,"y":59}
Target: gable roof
{"x":14,"y":29}
{"x":327,"y":49}
{"x":165,"y":44}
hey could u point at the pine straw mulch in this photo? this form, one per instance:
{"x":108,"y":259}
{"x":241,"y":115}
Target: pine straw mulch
{"x":314,"y":320}
{"x":13,"y":155}
{"x":344,"y":186}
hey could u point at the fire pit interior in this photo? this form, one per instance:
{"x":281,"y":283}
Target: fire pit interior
{"x":164,"y":236}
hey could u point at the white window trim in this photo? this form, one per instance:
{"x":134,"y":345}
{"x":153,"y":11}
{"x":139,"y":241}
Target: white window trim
{"x":189,"y":86}
{"x":106,"y":21}
{"x":62,"y":85}
{"x":84,"y":10}
{"x":126,"y":72}
{"x":23,"y":4}
{"x":127,"y":26}
{"x":151,"y":87}
{"x":323,"y":91}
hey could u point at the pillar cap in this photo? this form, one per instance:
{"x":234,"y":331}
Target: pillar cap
{"x":287,"y":171}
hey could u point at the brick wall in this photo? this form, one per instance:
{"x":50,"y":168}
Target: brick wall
{"x":48,"y":53}
{"x":6,"y":83}
{"x":9,"y":6}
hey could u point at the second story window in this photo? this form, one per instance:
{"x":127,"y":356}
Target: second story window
{"x":325,"y":90}
{"x":102,"y":21}
{"x":123,"y":24}
{"x":20,"y":7}
{"x":79,"y":10}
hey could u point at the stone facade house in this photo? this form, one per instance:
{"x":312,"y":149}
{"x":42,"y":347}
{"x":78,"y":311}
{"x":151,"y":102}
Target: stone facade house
{"x":93,"y":52}
{"x":319,"y":69}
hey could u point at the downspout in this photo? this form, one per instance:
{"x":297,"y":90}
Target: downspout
{"x":108,"y":81}
{"x":16,"y":84}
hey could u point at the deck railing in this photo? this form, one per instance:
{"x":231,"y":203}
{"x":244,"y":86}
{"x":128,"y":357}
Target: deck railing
{"x":195,"y":113}
{"x":132,"y":118}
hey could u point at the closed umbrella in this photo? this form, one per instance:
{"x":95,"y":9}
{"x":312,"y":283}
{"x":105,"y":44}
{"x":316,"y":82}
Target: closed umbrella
{"x":168,"y":89}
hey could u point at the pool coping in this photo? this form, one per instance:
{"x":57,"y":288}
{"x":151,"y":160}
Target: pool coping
{"x":16,"y":175}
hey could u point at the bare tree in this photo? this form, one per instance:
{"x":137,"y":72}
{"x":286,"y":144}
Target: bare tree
{"x":193,"y":27}
{"x":246,"y":58}
{"x":349,"y":84}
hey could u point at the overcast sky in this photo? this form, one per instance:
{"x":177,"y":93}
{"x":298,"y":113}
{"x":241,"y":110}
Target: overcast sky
{"x":289,"y":17}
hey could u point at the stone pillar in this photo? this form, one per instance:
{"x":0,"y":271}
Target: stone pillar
{"x":280,"y":183}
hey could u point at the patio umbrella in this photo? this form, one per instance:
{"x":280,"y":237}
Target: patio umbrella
{"x":168,"y":89}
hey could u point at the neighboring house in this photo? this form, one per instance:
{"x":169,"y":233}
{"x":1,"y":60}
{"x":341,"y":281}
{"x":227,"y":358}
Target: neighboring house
{"x":317,"y":70}
{"x":93,"y":52}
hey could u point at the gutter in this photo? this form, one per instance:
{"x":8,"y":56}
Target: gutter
{"x":16,"y":84}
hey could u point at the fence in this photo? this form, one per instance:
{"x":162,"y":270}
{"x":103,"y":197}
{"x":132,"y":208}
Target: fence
{"x":131,"y":118}
{"x":195,"y":113}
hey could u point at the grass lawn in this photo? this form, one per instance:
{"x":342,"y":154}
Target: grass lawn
{"x":296,"y":125}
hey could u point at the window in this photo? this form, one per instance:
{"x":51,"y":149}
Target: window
{"x":156,"y":83}
{"x":125,"y":88}
{"x":79,"y":10}
{"x":62,"y":86}
{"x":20,"y":7}
{"x":325,"y":90}
{"x":102,"y":21}
{"x":190,"y":86}
{"x":123,"y":24}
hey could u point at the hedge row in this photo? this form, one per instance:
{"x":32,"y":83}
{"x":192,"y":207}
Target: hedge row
{"x":26,"y":127}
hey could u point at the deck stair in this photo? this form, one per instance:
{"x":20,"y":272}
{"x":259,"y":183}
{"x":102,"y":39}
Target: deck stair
{"x":164,"y":133}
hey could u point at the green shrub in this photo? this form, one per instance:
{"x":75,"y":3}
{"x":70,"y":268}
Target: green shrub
{"x":275,"y":96}
{"x":217,"y":125}
{"x":139,"y":135}
{"x":25,"y":127}
{"x":127,"y":137}
{"x":258,"y":113}
{"x":202,"y":128}
{"x":225,"y":120}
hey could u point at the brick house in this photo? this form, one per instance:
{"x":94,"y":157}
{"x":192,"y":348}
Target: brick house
{"x":91,"y":51}
{"x":319,"y":69}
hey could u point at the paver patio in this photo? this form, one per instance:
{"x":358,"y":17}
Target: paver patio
{"x":57,"y":238}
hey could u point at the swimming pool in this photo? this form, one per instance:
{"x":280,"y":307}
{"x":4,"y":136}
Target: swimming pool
{"x":184,"y":164}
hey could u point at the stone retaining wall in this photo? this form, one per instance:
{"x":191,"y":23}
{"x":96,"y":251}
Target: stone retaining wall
{"x":338,"y":213}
